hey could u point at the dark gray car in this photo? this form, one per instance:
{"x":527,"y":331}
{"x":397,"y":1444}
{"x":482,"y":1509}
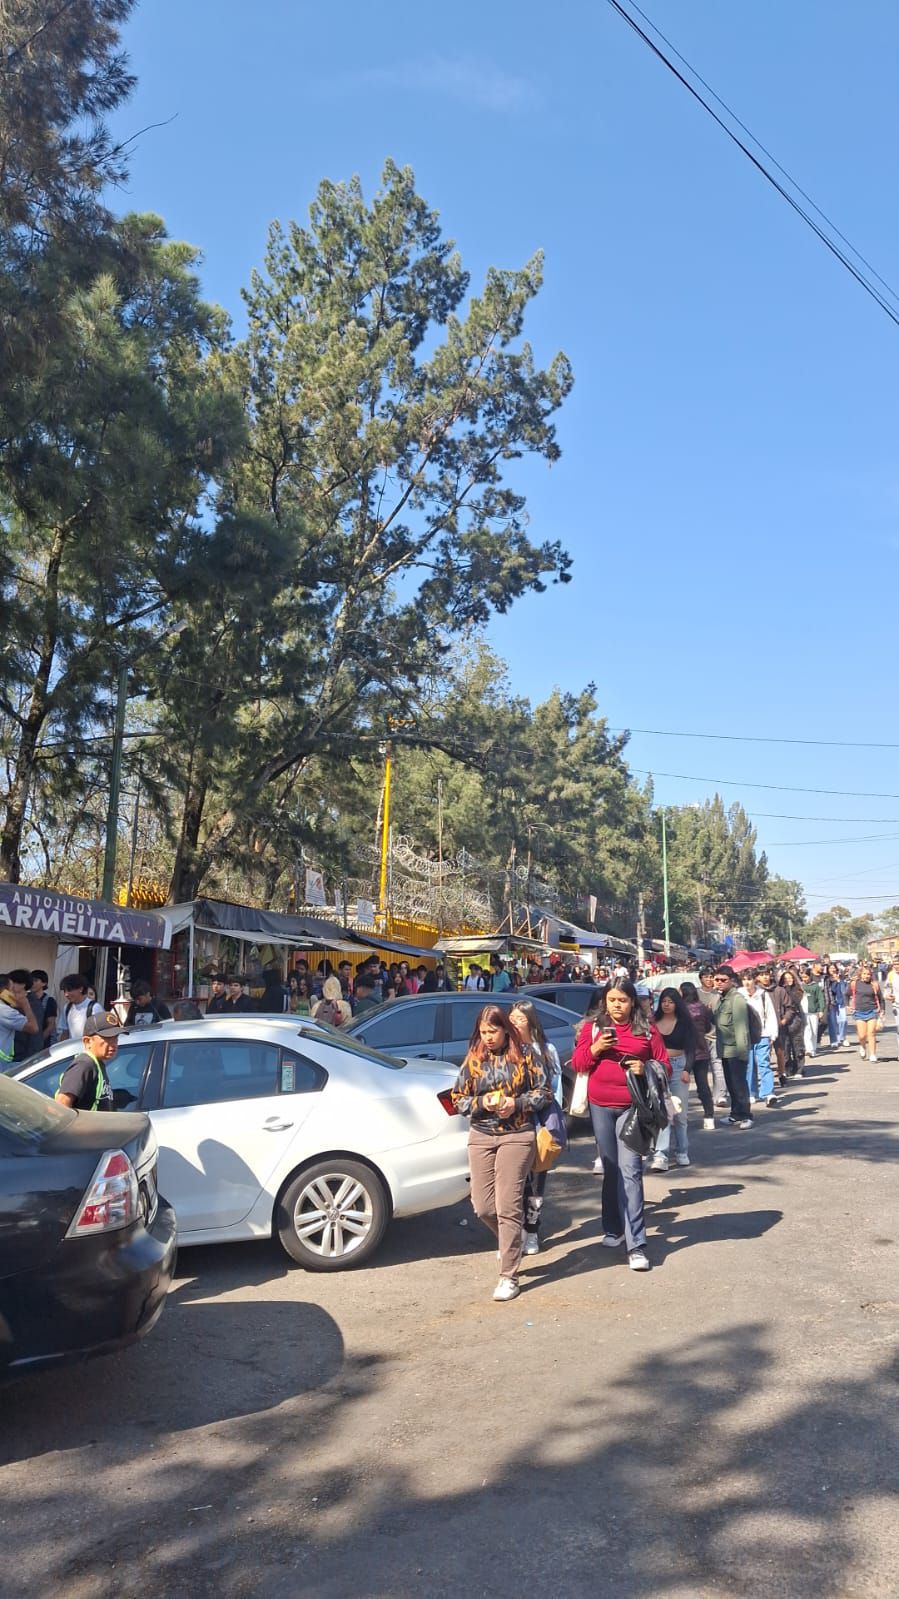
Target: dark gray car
{"x":438,"y":1026}
{"x":571,"y":996}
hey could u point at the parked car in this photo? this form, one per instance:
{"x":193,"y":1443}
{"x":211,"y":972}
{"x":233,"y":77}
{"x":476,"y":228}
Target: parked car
{"x":439,"y":1026}
{"x":571,"y":996}
{"x":87,"y":1246}
{"x":275,"y":1125}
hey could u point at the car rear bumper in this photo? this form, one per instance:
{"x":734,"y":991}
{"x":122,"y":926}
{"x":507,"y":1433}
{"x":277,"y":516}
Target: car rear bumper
{"x":96,"y":1295}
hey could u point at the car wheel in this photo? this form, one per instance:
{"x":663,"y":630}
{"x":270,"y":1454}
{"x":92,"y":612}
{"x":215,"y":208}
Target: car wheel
{"x":332,"y":1215}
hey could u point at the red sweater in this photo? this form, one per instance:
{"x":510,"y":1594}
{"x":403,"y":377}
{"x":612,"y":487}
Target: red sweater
{"x":608,"y":1084}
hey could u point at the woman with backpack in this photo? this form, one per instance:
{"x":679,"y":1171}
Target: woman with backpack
{"x":614,"y":1035}
{"x":678,"y":1033}
{"x":526,"y":1020}
{"x":867,"y":1009}
{"x":332,"y":1007}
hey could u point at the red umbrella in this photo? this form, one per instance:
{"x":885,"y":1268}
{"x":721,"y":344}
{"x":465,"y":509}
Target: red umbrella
{"x":747,"y":958}
{"x":800,"y":953}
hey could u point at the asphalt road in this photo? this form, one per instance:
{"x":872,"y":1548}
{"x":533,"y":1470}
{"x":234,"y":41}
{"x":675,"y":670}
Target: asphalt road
{"x":724,"y":1427}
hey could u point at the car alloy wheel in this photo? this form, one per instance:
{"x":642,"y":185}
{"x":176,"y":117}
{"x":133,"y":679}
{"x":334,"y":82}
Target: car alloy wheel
{"x":333,"y":1215}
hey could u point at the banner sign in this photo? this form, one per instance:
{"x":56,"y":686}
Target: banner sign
{"x":315,"y":887}
{"x":87,"y":921}
{"x":365,"y":912}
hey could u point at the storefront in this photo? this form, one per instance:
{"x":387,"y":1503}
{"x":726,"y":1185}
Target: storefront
{"x":62,"y":933}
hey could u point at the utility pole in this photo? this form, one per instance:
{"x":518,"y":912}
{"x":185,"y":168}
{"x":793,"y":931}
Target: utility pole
{"x":641,"y":928}
{"x":440,"y":856}
{"x":385,"y":835}
{"x":115,"y":783}
{"x":665,"y":886}
{"x":133,"y":856}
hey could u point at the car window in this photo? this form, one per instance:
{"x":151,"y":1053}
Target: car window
{"x":551,"y":1018}
{"x":402,"y":1025}
{"x":325,"y":1034}
{"x":210,"y":1071}
{"x":125,"y":1072}
{"x":28,"y":1116}
{"x":299,"y":1075}
{"x":463,"y":1014}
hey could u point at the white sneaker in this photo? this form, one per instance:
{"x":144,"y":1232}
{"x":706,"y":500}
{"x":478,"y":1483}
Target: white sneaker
{"x":638,"y":1260}
{"x":598,"y":1166}
{"x":873,"y":1058}
{"x":612,"y":1240}
{"x":506,"y":1289}
{"x":708,"y":1124}
{"x":658,"y":1163}
{"x":531,"y":1245}
{"x":861,"y":1050}
{"x":682,"y":1160}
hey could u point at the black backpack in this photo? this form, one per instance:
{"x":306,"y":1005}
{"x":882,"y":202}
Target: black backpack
{"x":755,"y":1025}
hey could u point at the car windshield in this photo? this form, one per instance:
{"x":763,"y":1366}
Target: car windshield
{"x":27,"y":1114}
{"x":352,"y":1046}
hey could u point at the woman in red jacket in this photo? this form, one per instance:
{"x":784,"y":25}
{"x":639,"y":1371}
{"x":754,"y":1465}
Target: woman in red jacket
{"x":614,"y":1032}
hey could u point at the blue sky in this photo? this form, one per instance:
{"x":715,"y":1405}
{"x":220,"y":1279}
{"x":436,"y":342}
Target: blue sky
{"x":729,"y":486}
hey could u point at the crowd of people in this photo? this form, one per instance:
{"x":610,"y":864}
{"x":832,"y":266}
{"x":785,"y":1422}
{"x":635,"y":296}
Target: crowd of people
{"x":738,"y":1038}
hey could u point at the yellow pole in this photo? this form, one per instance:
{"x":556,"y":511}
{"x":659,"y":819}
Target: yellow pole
{"x":385,"y":836}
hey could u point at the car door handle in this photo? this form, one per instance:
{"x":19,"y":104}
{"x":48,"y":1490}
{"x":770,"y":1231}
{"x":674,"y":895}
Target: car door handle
{"x":273,"y":1125}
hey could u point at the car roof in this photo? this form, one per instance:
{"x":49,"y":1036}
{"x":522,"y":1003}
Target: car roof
{"x":506,"y":999}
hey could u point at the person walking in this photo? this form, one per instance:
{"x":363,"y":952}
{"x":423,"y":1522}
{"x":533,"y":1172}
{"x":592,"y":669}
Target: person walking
{"x":78,"y":1007}
{"x":763,"y":1030}
{"x":526,"y":1020}
{"x":733,"y":1039}
{"x":867,"y":1009}
{"x":84,"y":1085}
{"x":787,"y":1001}
{"x":678,"y":1033}
{"x":500,"y":1087}
{"x":815,"y":1007}
{"x":703,"y":1023}
{"x":612,"y":1035}
{"x":708,"y":993}
{"x":835,"y":995}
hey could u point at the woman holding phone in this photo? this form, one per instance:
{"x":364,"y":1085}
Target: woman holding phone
{"x":500,"y":1086}
{"x":614,"y":1034}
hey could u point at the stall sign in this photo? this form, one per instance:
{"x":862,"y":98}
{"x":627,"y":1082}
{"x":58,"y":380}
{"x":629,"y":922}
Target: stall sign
{"x":88,"y":921}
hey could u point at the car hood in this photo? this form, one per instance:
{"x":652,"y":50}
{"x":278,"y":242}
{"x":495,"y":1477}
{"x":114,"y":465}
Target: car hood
{"x":89,"y":1132}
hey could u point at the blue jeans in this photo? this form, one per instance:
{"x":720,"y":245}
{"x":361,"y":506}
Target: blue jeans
{"x":759,"y":1075}
{"x":622,"y":1178}
{"x":836,"y":1023}
{"x":681,"y":1090}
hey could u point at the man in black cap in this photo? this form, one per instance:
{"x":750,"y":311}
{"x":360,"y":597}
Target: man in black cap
{"x":84,"y":1084}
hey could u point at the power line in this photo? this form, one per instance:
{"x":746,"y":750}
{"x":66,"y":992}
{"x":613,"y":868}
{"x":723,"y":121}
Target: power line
{"x":780,"y":788}
{"x":864,"y":838}
{"x":769,"y":177}
{"x":784,"y":816}
{"x":756,"y":738}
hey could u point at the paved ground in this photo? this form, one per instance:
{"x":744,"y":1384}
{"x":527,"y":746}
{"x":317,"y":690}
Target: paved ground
{"x":723,"y":1428}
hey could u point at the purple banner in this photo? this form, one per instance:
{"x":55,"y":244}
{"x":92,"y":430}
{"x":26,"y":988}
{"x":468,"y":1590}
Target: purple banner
{"x":76,"y":920}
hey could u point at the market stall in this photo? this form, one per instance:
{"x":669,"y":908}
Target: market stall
{"x":62,"y":933}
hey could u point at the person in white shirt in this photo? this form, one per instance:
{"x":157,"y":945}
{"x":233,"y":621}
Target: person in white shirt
{"x":16,"y":1015}
{"x":763,"y":1030}
{"x":77,"y":1006}
{"x":475,"y":982}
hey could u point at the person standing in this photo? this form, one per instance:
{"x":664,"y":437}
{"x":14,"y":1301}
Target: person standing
{"x":78,"y":1007}
{"x":500,"y":1087}
{"x":612,"y":1034}
{"x":45,"y":1012}
{"x":144,"y":1010}
{"x":526,"y":1021}
{"x":835,"y":995}
{"x":500,"y":981}
{"x":733,"y":1040}
{"x":16,"y":1015}
{"x":237,"y":1002}
{"x":763,"y":1033}
{"x":787,"y":1001}
{"x":218,"y":1004}
{"x":678,"y":1033}
{"x":708,"y":993}
{"x":703,"y":1023}
{"x":84,"y":1085}
{"x":868,"y":1009}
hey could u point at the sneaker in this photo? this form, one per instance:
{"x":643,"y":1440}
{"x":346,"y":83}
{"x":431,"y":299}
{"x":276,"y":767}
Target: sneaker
{"x":506,"y":1289}
{"x":598,"y":1166}
{"x":746,"y":1122}
{"x":658,"y":1163}
{"x":773,"y":1099}
{"x":873,"y":1058}
{"x":638,"y":1260}
{"x":612,"y":1240}
{"x":728,"y":1121}
{"x":708,"y":1124}
{"x":861,"y":1050}
{"x":682,"y":1160}
{"x":531,"y":1245}
{"x":720,"y":1102}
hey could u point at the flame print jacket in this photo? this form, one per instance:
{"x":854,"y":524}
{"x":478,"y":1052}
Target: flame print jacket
{"x":526,"y":1081}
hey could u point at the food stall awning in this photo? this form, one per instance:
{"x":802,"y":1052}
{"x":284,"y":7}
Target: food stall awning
{"x":488,"y":944}
{"x":253,"y":925}
{"x":74,"y":920}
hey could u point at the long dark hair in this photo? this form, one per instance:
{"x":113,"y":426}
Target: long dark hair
{"x":496,"y":1016}
{"x":599,"y":1014}
{"x":538,"y":1036}
{"x":682,"y":1015}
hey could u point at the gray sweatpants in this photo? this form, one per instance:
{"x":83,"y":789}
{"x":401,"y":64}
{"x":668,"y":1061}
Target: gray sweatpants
{"x":499,"y":1164}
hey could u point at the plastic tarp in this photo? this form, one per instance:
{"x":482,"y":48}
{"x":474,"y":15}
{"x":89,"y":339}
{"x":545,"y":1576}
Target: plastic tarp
{"x":745,"y":959}
{"x":252,"y":925}
{"x":799,"y":953}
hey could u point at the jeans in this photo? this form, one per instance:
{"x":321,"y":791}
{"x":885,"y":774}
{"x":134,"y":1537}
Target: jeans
{"x":534,"y":1190}
{"x":701,"y":1072}
{"x":622,"y":1178}
{"x":681,"y":1090}
{"x":836,"y":1023}
{"x":759,"y":1075}
{"x":737,"y":1087}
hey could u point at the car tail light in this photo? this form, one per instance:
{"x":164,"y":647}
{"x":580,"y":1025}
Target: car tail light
{"x":446,"y":1099}
{"x":112,"y":1199}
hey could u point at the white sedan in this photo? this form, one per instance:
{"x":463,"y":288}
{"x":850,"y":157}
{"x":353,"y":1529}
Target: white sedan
{"x":272,"y":1124}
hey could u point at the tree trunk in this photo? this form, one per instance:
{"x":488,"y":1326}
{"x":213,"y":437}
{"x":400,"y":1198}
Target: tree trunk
{"x":32,"y":726}
{"x":189,"y":867}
